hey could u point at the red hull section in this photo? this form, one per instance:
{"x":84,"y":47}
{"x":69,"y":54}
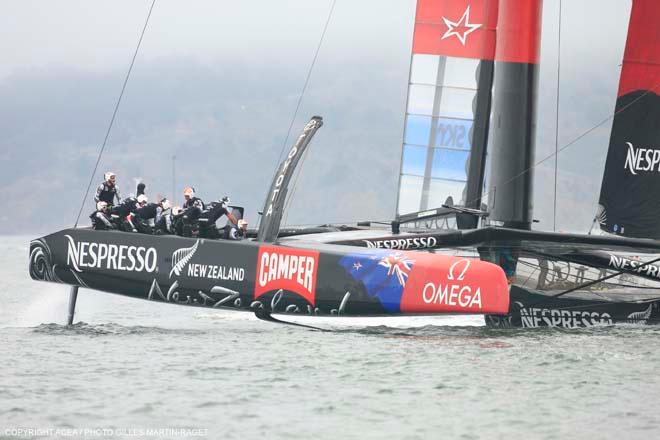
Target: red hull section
{"x":443,"y":284}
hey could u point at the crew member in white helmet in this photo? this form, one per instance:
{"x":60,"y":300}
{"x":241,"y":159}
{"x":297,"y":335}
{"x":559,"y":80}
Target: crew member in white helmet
{"x":192,"y":209}
{"x":239,"y":232}
{"x":142,"y":201}
{"x":191,"y":201}
{"x":101,"y":219}
{"x":108,"y":191}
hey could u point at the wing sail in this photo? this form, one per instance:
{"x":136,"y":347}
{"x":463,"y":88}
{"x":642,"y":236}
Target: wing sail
{"x":631,"y":181}
{"x":448,"y":107}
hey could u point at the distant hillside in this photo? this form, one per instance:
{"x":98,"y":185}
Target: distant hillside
{"x":225,"y":126}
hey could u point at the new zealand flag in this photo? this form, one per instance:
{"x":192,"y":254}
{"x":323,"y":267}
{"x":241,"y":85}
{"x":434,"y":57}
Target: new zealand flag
{"x":384,"y":274}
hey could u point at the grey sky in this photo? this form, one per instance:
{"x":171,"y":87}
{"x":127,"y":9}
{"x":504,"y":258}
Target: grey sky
{"x":216,"y":83}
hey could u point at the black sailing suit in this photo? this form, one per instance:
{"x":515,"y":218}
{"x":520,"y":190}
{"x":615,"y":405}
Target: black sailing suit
{"x":207,"y":227}
{"x":234,"y":233}
{"x":144,"y":214}
{"x":192,"y":209}
{"x":123,"y":210}
{"x":164,"y":223}
{"x":101,"y":221}
{"x":106,"y":193}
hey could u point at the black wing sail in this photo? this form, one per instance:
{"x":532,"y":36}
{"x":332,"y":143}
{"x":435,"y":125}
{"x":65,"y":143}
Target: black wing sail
{"x":628,"y":201}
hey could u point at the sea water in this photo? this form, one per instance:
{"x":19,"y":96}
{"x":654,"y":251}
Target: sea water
{"x":136,"y":369}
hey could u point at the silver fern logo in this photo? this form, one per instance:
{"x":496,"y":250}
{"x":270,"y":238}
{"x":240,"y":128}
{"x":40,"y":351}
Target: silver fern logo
{"x":641,"y":317}
{"x":601,"y":215}
{"x":181,"y":257}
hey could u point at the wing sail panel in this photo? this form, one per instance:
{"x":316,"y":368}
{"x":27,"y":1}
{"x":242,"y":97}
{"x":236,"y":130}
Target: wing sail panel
{"x":631,"y":181}
{"x":448,"y":104}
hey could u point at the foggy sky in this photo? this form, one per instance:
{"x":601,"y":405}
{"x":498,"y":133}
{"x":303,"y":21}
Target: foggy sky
{"x":216,"y":83}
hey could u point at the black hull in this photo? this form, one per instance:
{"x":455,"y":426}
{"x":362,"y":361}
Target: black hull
{"x":533,"y":309}
{"x":253,"y":276}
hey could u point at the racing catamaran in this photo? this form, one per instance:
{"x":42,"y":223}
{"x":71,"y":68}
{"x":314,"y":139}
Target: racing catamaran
{"x":436,"y":259}
{"x":270,"y":275}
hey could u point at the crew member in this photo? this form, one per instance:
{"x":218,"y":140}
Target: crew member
{"x":124,"y":212}
{"x":148,"y":213}
{"x":508,"y":261}
{"x":108,"y":191}
{"x":208,"y":219}
{"x":140,"y":189}
{"x":503,"y":256}
{"x":166,"y":221}
{"x":101,"y":219}
{"x":191,"y":202}
{"x":142,"y":200}
{"x":192,"y":209}
{"x":239,"y":232}
{"x":220,"y":208}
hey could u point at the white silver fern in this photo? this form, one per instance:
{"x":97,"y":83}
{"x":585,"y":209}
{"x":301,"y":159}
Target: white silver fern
{"x":601,"y":215}
{"x":640,"y":317}
{"x":181,"y":257}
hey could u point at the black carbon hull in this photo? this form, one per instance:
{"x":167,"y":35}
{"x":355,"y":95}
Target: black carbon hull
{"x":253,"y":276}
{"x":532,"y":309}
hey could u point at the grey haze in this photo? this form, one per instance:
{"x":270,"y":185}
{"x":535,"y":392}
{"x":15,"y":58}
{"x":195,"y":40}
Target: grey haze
{"x":216,"y":83}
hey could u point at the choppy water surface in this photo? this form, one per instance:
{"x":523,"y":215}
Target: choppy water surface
{"x":135,"y":365}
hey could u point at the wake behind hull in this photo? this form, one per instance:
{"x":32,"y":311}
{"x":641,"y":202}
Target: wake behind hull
{"x":251,"y":276}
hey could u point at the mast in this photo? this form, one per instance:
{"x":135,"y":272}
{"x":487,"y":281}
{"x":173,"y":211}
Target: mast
{"x":514,"y":112}
{"x":477,"y":160}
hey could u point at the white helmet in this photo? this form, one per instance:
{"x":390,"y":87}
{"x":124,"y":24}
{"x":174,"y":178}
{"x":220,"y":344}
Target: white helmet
{"x":189,"y":191}
{"x":176,"y":210}
{"x":109,"y":175}
{"x":100,"y":206}
{"x":142,"y":199}
{"x":165,"y":204}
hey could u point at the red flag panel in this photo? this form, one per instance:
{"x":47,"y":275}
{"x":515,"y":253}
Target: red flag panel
{"x":459,"y":28}
{"x":518,"y":31}
{"x":468,"y":28}
{"x":641,"y":61}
